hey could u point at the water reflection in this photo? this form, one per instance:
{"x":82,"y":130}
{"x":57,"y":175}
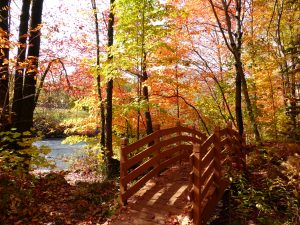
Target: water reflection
{"x":60,"y":152}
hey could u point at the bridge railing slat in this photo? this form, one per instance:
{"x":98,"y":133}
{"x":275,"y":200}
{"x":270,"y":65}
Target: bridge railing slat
{"x":211,"y":157}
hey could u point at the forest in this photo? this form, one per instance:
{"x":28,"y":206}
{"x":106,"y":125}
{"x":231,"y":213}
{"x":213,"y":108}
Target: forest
{"x":101,"y":72}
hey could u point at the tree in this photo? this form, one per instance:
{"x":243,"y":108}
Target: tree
{"x":232,"y":34}
{"x":21,"y":56}
{"x":99,"y":90}
{"x":25,"y":80}
{"x":4,"y":61}
{"x":29,"y":87}
{"x":109,"y":94}
{"x":286,"y":36}
{"x":139,"y":32}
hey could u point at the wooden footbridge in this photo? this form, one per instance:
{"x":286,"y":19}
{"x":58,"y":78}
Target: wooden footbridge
{"x":159,"y":185}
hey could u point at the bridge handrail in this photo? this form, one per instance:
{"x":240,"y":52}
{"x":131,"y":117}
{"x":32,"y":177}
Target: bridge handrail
{"x":172,"y":140}
{"x":208,"y":156}
{"x":160,"y":133}
{"x":208,"y":176}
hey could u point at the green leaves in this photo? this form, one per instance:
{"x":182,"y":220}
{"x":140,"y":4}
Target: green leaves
{"x":139,"y":30}
{"x":17,"y":148}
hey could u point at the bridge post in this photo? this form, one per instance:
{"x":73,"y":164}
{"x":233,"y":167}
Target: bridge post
{"x":156,"y":127}
{"x":230,"y":136}
{"x":123,"y":170}
{"x":179,"y":142}
{"x":196,"y":181}
{"x":217,"y":154}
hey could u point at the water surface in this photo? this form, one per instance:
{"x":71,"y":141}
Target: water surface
{"x":60,"y":153}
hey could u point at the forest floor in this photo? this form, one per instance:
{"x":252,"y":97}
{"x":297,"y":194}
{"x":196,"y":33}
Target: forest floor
{"x":269,"y":194}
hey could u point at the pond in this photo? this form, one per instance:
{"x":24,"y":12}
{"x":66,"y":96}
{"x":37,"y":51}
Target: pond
{"x":60,"y":152}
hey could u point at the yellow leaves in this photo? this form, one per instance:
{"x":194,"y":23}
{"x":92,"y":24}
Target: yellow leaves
{"x":38,"y":28}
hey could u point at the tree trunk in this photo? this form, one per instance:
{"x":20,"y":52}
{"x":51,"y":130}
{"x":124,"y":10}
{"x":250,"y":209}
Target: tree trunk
{"x":18,"y":83}
{"x":234,"y":44}
{"x":149,"y":128}
{"x":102,"y":109}
{"x":249,"y":109}
{"x":109,"y":95}
{"x":148,"y":118}
{"x":4,"y":66}
{"x":139,"y":93}
{"x":238,"y":98}
{"x":29,"y":89}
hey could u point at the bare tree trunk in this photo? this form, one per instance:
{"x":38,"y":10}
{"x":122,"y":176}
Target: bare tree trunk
{"x":29,"y":89}
{"x":18,"y":83}
{"x":273,"y":107}
{"x":149,"y":128}
{"x":109,"y":95}
{"x":249,"y":109}
{"x":102,"y":109}
{"x":233,"y":41}
{"x":139,"y":93}
{"x":4,"y":65}
{"x":238,"y":98}
{"x":289,"y":59}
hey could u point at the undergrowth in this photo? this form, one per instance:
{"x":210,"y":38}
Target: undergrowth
{"x":270,"y":194}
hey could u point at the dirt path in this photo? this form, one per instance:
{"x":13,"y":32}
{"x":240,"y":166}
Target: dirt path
{"x":163,"y":200}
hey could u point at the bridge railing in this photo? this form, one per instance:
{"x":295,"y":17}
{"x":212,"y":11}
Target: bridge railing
{"x":146,"y":158}
{"x":212,"y":162}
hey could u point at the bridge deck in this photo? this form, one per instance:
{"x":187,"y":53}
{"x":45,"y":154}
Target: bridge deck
{"x":163,"y":200}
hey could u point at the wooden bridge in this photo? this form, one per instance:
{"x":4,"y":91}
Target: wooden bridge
{"x":158,"y":184}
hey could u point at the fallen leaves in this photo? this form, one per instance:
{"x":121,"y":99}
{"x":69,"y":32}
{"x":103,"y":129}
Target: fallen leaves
{"x":52,"y":200}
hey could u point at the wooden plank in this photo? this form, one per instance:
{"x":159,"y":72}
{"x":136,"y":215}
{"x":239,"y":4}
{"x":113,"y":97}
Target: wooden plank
{"x":139,"y":170}
{"x":146,"y":153}
{"x":225,"y":152}
{"x":213,"y":201}
{"x":196,"y":173}
{"x":207,"y":186}
{"x":201,"y":135}
{"x":234,"y":132}
{"x":196,"y":194}
{"x":134,"y":188}
{"x":191,"y":139}
{"x":174,"y":150}
{"x":196,"y":161}
{"x":225,"y":142}
{"x":123,"y":169}
{"x":170,"y":161}
{"x":209,"y":170}
{"x":150,"y":138}
{"x":209,"y":208}
{"x":207,"y":158}
{"x":207,"y":144}
{"x":151,"y":163}
{"x":225,"y":161}
{"x":224,"y":132}
{"x":196,"y":214}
